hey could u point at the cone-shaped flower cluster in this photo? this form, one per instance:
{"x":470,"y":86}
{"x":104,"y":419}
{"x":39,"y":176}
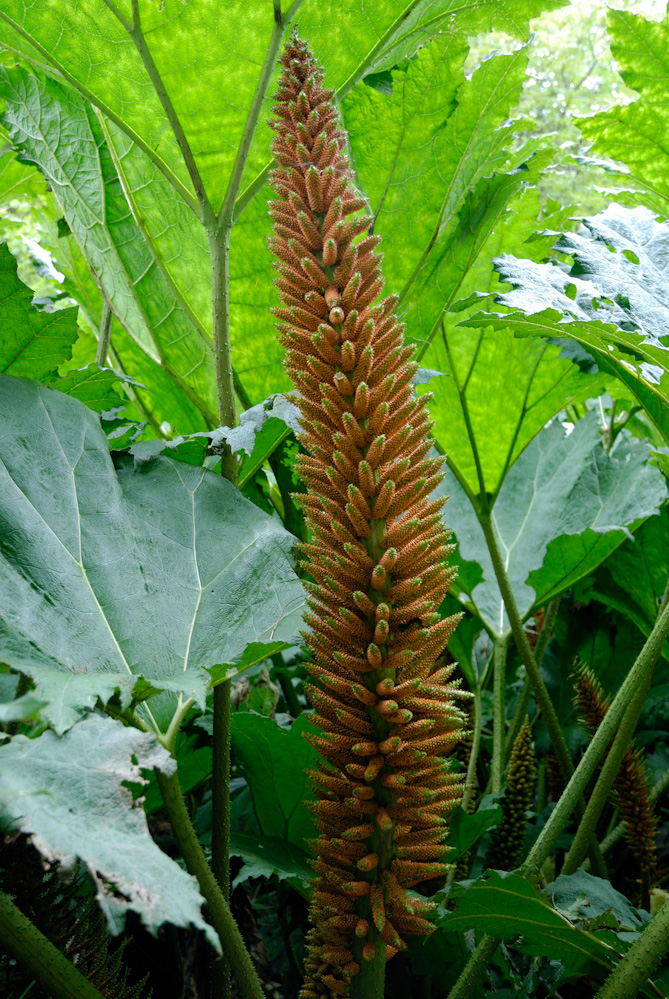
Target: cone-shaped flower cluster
{"x":508,"y":839}
{"x":630,"y":793}
{"x":383,"y":702}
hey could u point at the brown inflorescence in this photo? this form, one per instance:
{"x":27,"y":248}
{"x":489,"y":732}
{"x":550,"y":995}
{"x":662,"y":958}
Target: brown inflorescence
{"x":630,"y":793}
{"x":383,"y":701}
{"x":508,"y":839}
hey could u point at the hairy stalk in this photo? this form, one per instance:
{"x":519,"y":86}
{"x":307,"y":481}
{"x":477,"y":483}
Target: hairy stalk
{"x":218,"y":909}
{"x":526,"y":693}
{"x":474,"y":971}
{"x":523,"y":646}
{"x":498,"y":716}
{"x":21,"y":938}
{"x":220,"y":818}
{"x":543,"y":699}
{"x":608,"y":774}
{"x":104,"y":334}
{"x":470,"y":779}
{"x":382,"y":697}
{"x":640,"y":960}
{"x":635,"y":679}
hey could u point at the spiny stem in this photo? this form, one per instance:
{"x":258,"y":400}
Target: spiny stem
{"x":640,"y":960}
{"x":498,"y":733}
{"x":526,"y":694}
{"x":648,"y":656}
{"x":541,"y":693}
{"x":219,"y":911}
{"x":105,"y":334}
{"x":220,"y":815}
{"x":470,"y":780}
{"x":21,"y":938}
{"x":474,"y":971}
{"x":636,"y":677}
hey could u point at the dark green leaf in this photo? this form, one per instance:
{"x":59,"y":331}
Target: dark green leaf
{"x":275,"y":763}
{"x":264,"y":856}
{"x":581,"y":896}
{"x":509,"y":906}
{"x":464,"y":829}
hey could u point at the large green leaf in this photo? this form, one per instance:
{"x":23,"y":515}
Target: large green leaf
{"x":68,"y":795}
{"x":32,"y":343}
{"x":211,"y":87}
{"x":57,"y":130}
{"x":614,"y":300}
{"x":638,"y":133}
{"x":633,"y":578}
{"x":499,"y":393}
{"x":564,"y":506}
{"x":209,"y":57}
{"x":108,"y":574}
{"x":451,"y":133}
{"x":276,"y":762}
{"x":509,"y":906}
{"x":17,"y":180}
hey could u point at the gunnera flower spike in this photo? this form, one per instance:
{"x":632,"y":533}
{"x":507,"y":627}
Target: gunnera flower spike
{"x":382,"y":699}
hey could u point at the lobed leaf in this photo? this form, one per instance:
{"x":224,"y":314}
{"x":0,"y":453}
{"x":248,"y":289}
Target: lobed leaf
{"x":68,"y":795}
{"x":563,"y":507}
{"x":109,"y":574}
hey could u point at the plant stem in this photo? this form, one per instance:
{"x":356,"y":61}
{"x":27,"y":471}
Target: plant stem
{"x":540,"y":692}
{"x":21,"y":938}
{"x":220,"y":916}
{"x":370,"y":982}
{"x":520,"y":637}
{"x":640,"y":960}
{"x":599,"y":743}
{"x":499,"y":721}
{"x":474,"y":970}
{"x":220,"y":816}
{"x":287,"y":688}
{"x":614,"y":758}
{"x":526,"y":694}
{"x":105,"y":334}
{"x":470,"y":780}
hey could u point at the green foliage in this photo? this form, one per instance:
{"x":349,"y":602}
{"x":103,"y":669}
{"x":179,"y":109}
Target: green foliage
{"x":636,"y":134}
{"x":612,"y":301}
{"x":168,"y":557}
{"x":565,"y":505}
{"x":508,"y":906}
{"x":134,"y":577}
{"x":68,"y":795}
